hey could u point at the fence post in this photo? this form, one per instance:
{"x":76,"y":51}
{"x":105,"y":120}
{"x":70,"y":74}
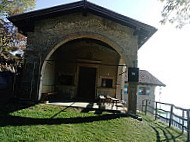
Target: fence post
{"x":171,"y":115}
{"x":188,"y":126}
{"x":183,"y":116}
{"x":156,"y":110}
{"x":146,"y":107}
{"x":142,"y":105}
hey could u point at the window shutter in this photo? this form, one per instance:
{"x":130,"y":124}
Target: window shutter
{"x":125,"y":89}
{"x":148,"y":91}
{"x":140,"y":90}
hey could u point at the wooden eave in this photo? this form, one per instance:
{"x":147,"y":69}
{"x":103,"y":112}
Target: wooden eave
{"x":25,"y":22}
{"x":152,"y":84}
{"x":146,"y":78}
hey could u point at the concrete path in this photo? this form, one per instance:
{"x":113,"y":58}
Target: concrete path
{"x":106,"y":107}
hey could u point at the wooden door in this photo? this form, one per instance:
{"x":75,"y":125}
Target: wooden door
{"x":86,"y":84}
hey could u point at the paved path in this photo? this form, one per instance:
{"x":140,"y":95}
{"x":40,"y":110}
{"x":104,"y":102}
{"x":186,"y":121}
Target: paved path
{"x":105,"y":107}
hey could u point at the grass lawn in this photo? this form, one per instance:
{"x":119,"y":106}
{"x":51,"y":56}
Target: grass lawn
{"x":57,"y":123}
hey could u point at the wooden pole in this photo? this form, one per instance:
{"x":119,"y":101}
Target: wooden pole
{"x":142,"y":105}
{"x":171,"y":115}
{"x":146,"y":107}
{"x":183,"y":116}
{"x":39,"y":78}
{"x":32,"y":80}
{"x":156,"y":110}
{"x":84,"y":3}
{"x":188,"y":125}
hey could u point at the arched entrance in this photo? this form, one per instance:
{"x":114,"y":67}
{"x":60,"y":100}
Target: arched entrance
{"x":82,"y":69}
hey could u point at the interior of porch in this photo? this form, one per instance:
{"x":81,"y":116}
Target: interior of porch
{"x":82,"y":70}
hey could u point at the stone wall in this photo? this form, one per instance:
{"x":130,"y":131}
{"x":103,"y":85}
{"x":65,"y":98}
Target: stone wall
{"x":51,"y":33}
{"x":150,"y":97}
{"x":140,"y":98}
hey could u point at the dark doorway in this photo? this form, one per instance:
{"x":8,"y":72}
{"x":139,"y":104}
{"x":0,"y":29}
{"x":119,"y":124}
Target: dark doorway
{"x":86,"y":84}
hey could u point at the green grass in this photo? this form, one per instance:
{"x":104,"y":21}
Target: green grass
{"x":55,"y":123}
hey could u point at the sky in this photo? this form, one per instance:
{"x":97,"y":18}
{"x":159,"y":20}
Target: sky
{"x":165,"y":54}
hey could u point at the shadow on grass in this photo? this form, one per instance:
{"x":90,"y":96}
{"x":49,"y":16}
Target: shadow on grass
{"x":63,"y":110}
{"x":22,"y":121}
{"x":14,"y":105}
{"x":168,"y":136}
{"x":9,"y":120}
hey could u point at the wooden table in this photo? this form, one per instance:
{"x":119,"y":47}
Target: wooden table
{"x":102,"y":100}
{"x":108,"y":100}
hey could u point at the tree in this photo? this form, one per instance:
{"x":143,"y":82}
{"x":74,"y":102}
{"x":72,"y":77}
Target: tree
{"x":176,"y":12}
{"x":12,"y":43}
{"x":11,"y":7}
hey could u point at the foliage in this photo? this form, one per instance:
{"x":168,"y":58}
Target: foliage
{"x":57,"y":123}
{"x":11,"y":41}
{"x":176,"y":12}
{"x":11,"y":7}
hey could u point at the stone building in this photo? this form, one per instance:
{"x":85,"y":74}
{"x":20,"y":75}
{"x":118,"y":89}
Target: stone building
{"x":79,"y":50}
{"x":146,"y":88}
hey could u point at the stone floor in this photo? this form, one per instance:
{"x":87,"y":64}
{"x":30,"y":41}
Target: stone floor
{"x":119,"y":108}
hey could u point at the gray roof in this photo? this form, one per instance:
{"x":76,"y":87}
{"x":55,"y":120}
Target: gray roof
{"x":146,"y":78}
{"x":26,"y":21}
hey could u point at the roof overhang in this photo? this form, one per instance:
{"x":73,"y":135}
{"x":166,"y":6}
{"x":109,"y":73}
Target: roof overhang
{"x":25,"y":22}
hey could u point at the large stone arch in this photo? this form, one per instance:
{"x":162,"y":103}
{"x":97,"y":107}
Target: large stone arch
{"x":91,"y":35}
{"x":81,"y":35}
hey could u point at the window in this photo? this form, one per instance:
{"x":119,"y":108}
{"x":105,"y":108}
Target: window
{"x":144,"y":90}
{"x":107,"y":83}
{"x":66,"y":80}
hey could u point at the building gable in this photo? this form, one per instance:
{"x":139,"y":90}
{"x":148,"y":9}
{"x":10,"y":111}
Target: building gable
{"x":25,"y":22}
